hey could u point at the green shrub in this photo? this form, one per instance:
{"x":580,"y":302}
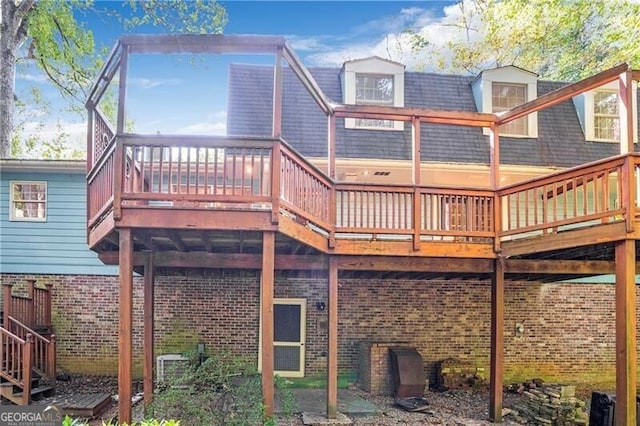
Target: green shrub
{"x":223,"y":390}
{"x":68,"y":421}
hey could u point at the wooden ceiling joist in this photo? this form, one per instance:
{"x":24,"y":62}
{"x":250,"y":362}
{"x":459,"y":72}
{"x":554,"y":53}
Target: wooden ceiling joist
{"x":202,"y":43}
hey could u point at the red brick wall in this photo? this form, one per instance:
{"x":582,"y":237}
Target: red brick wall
{"x":568,"y":328}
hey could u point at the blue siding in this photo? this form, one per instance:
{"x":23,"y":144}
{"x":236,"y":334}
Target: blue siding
{"x":57,"y":246}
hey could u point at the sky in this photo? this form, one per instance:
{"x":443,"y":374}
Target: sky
{"x":325,"y":33}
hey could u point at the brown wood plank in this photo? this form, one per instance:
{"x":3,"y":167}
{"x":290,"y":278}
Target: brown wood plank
{"x":332,"y":343}
{"x":625,"y":409}
{"x":125,"y":335}
{"x":497,"y":343}
{"x":137,"y":217}
{"x":406,"y":248}
{"x":574,"y":238}
{"x":530,"y":266}
{"x":82,"y":405}
{"x":267,"y":287}
{"x":202,"y":43}
{"x":562,"y":94}
{"x":466,"y":118}
{"x":148,"y":353}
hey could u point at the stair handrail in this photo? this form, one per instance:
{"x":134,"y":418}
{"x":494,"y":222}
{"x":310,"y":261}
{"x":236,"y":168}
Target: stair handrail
{"x":16,"y":367}
{"x":44,"y":350}
{"x":33,"y":309}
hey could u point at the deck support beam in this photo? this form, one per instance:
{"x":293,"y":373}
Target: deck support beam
{"x":125,"y":340}
{"x":267,"y":285}
{"x":332,"y":350}
{"x":625,"y":411}
{"x":149,"y":276}
{"x":497,"y":342}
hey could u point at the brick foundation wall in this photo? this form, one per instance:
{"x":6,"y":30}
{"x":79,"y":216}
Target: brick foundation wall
{"x":568,"y":328}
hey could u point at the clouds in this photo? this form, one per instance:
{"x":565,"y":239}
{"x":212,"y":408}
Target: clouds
{"x":214,"y":124}
{"x":391,"y":37}
{"x":150,"y":83}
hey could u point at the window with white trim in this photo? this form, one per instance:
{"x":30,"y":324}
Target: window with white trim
{"x":606,"y":115}
{"x":374,"y":90}
{"x":373,"y":81}
{"x":505,"y":96}
{"x":28,"y":201}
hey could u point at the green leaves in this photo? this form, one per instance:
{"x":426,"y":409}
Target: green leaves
{"x":558,"y":39}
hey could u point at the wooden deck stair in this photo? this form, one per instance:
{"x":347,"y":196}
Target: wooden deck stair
{"x":27,"y":356}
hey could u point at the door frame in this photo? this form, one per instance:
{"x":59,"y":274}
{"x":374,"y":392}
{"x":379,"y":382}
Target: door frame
{"x":303,"y":337}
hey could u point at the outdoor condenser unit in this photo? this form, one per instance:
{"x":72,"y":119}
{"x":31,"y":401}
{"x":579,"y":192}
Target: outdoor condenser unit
{"x":170,"y":366}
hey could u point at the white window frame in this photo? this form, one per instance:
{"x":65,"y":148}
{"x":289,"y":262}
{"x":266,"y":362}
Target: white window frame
{"x":373,"y":67}
{"x":12,"y":202}
{"x":482,"y":87}
{"x":590,"y":113}
{"x":510,"y":125}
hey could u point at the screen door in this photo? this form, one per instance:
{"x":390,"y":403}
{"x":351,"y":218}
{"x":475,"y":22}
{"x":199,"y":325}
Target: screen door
{"x":288,"y":337}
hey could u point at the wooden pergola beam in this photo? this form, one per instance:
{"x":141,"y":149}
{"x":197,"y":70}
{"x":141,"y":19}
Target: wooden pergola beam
{"x":560,"y":95}
{"x":202,"y":43}
{"x":461,"y":118}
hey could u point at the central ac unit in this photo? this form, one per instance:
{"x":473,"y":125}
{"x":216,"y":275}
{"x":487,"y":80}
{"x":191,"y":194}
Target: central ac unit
{"x":170,"y":366}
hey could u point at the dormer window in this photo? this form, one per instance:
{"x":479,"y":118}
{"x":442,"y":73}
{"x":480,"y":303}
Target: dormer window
{"x":374,"y":90}
{"x":373,"y":81}
{"x":599,"y":113}
{"x":606,"y":116}
{"x":505,"y":96}
{"x":501,"y":89}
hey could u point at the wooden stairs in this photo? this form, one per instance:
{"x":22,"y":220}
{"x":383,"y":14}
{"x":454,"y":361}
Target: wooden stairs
{"x":28,"y":347}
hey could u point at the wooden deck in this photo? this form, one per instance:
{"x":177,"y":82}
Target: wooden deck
{"x":85,"y":405}
{"x":179,"y":201}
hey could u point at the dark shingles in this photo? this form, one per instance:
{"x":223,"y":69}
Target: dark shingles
{"x":560,"y":141}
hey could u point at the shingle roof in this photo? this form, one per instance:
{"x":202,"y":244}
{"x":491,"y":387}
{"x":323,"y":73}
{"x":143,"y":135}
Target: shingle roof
{"x":560,"y":139}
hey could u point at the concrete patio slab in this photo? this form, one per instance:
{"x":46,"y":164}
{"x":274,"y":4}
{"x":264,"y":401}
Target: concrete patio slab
{"x":315,"y":401}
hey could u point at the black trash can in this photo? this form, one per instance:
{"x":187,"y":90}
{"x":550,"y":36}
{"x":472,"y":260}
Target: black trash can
{"x":603,"y":407}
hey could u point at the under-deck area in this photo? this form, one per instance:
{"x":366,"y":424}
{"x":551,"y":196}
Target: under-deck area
{"x":158,"y":202}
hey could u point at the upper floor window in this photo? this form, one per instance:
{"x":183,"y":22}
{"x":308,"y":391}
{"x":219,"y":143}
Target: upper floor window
{"x":599,"y":113}
{"x":501,"y":89}
{"x":606,"y":116}
{"x":28,"y":201}
{"x":374,"y":90}
{"x":373,"y":81}
{"x":505,"y":96}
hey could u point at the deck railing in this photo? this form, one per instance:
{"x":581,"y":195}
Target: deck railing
{"x":15,"y":361}
{"x":238,"y":173}
{"x":44,"y":350}
{"x":33,"y":309}
{"x":426,"y":213}
{"x":196,"y":173}
{"x":578,"y":197}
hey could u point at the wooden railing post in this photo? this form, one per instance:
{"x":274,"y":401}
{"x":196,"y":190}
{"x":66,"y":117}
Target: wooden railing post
{"x":27,"y":368}
{"x":31,"y":311}
{"x":6,"y":300}
{"x":47,"y":307}
{"x":51,"y":358}
{"x":276,"y":172}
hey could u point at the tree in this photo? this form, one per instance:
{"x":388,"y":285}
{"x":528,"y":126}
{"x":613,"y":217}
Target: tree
{"x":48,"y":33}
{"x":558,"y":39}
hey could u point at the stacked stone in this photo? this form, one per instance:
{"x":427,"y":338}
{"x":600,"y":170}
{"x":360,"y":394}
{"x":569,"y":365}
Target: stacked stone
{"x":550,"y":404}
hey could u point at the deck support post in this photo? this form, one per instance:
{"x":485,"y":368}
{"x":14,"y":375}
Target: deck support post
{"x":125,"y":340}
{"x":497,"y":342}
{"x":332,"y":350}
{"x":267,"y":285}
{"x":625,"y":411}
{"x":6,"y":302}
{"x":149,"y":276}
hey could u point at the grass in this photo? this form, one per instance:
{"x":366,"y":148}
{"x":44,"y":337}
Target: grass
{"x":319,"y":381}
